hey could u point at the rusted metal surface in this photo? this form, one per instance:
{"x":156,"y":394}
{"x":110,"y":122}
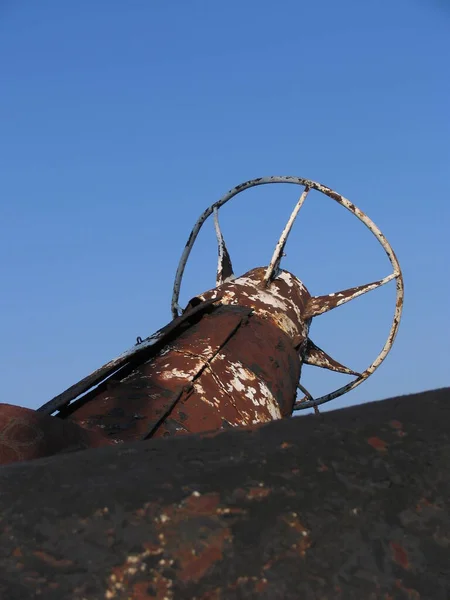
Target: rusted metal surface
{"x":232,"y":358}
{"x":351,"y":505}
{"x":141,"y":351}
{"x":239,"y":365}
{"x":26,"y":434}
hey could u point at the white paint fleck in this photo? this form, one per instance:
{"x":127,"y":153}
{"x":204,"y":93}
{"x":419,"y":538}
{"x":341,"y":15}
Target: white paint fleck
{"x":179,"y":374}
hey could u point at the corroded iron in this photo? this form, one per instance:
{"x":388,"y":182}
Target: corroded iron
{"x":233,"y":357}
{"x":351,"y":506}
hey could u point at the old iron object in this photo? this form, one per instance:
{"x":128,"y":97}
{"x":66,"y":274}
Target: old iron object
{"x":232,"y":357}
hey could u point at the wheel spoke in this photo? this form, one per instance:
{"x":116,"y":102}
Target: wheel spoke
{"x":274,"y":265}
{"x":306,"y":398}
{"x":318,"y":305}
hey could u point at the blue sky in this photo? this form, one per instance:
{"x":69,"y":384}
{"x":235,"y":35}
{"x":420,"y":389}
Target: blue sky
{"x":121,"y":121}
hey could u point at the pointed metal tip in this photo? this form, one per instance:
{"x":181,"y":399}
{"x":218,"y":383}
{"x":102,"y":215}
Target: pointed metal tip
{"x":318,"y":305}
{"x":315,"y":356}
{"x":224,"y":264}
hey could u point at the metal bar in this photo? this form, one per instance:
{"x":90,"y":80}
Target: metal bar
{"x":274,"y":265}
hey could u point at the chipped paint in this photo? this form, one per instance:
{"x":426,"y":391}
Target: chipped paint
{"x":233,"y":358}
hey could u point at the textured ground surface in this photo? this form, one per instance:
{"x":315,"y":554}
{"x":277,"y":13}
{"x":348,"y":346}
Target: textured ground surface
{"x":350,"y":504}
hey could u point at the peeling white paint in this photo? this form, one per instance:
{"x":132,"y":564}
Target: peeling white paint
{"x":179,"y":374}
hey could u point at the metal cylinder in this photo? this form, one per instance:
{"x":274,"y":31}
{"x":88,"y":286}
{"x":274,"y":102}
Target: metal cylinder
{"x":238,"y":365}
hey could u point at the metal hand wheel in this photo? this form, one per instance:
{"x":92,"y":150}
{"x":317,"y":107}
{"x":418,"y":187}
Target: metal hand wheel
{"x":317,"y":305}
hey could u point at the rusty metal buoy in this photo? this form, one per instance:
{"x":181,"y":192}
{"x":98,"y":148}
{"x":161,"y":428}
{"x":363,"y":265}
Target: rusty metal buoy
{"x":233,"y":357}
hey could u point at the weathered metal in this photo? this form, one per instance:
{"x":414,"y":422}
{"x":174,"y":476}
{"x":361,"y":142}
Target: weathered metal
{"x":321,"y":304}
{"x":232,"y":358}
{"x":353,"y":505}
{"x":238,"y":365}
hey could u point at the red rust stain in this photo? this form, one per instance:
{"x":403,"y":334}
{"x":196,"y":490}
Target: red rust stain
{"x":163,"y":588}
{"x":191,"y":556}
{"x":202,"y":504}
{"x":400,"y":555}
{"x":141,"y":591}
{"x":322,"y":467}
{"x":412,"y":594}
{"x":194,"y":566}
{"x":51,"y":560}
{"x":188,"y":554}
{"x":285,"y":445}
{"x":261,"y":585}
{"x":257,"y":493}
{"x":377,"y":443}
{"x":121,"y":579}
{"x":17,"y":552}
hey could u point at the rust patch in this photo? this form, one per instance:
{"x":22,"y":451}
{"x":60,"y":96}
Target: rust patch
{"x":377,"y":443}
{"x":122,"y":579}
{"x":142,"y":590}
{"x":286,"y":445}
{"x":222,"y":372}
{"x":284,"y":302}
{"x":257,"y":493}
{"x":196,"y":565}
{"x":202,"y":504}
{"x":52,"y":560}
{"x":400,"y":555}
{"x":181,"y":555}
{"x":26,"y":434}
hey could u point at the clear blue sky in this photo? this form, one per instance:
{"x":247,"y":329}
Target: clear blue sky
{"x":121,"y":121}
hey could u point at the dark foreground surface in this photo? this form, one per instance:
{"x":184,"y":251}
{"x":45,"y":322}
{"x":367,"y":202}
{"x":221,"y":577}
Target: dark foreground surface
{"x":350,"y":504}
